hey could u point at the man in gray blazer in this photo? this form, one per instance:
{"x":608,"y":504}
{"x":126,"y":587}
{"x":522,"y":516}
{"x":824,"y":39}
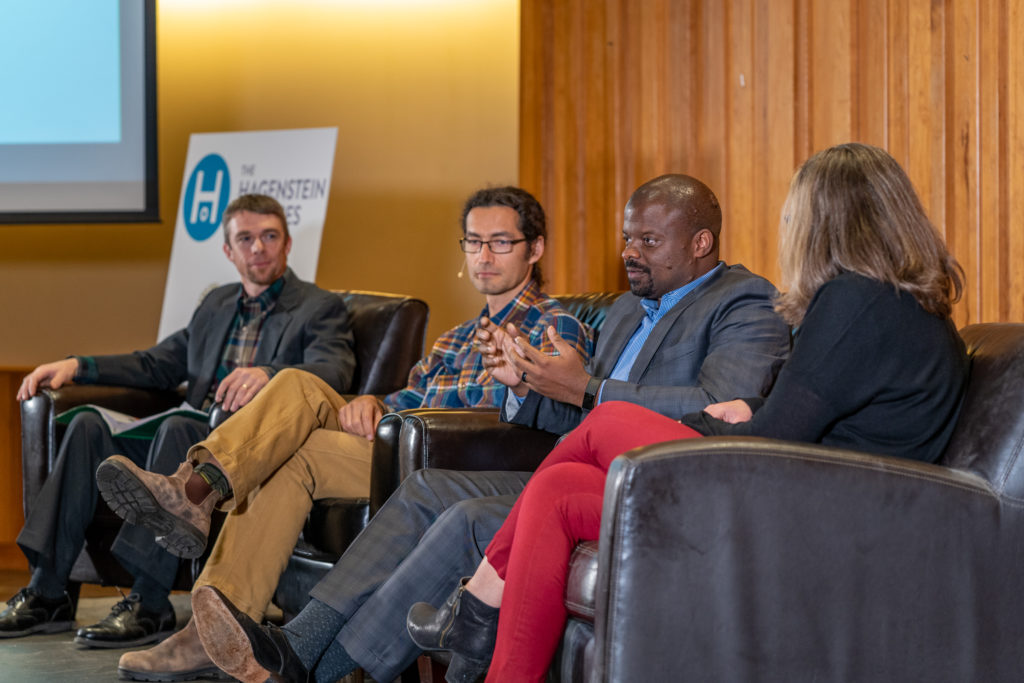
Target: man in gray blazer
{"x":693,"y":331}
{"x":238,"y":338}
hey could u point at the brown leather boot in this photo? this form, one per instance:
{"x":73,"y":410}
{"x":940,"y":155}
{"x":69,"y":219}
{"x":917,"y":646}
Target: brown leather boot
{"x":158,"y":503}
{"x":179,"y":658}
{"x":250,"y":652}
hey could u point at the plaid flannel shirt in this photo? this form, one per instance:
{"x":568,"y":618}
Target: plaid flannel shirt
{"x":453,"y":374}
{"x":240,"y":346}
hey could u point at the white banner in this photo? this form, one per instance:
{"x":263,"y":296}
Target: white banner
{"x":293,"y":166}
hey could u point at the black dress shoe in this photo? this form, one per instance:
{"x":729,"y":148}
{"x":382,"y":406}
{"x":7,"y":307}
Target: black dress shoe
{"x":127,"y":625}
{"x":465,"y":625}
{"x":239,"y":646}
{"x":28,"y":612}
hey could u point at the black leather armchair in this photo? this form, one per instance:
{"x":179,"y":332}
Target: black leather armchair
{"x":388,"y":330}
{"x":743,"y":559}
{"x":760,"y":560}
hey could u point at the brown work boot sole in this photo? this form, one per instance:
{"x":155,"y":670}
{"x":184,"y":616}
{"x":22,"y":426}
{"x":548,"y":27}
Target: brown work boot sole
{"x":133,"y":502}
{"x":207,"y":674}
{"x":217,"y":624}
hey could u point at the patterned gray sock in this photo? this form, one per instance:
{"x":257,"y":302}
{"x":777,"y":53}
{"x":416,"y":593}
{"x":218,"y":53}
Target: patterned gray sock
{"x":334,"y":665}
{"x":312,"y":631}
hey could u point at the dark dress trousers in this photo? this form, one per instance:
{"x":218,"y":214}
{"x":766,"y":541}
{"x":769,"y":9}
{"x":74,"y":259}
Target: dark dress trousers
{"x":307,"y":328}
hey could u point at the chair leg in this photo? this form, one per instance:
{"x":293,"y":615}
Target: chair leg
{"x":430,"y":671}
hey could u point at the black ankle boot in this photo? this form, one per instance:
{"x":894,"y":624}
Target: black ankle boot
{"x":464,"y":624}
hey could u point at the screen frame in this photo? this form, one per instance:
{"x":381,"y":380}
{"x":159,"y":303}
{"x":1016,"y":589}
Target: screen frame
{"x":151,"y":212}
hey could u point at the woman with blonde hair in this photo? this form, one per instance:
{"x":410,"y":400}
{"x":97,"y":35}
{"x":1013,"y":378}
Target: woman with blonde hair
{"x":876,"y":366}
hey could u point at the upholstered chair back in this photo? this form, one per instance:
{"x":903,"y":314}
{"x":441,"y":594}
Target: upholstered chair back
{"x":989,"y":437}
{"x":389,"y":333}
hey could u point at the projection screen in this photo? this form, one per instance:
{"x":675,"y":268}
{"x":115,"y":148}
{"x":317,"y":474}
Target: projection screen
{"x":78,"y":121}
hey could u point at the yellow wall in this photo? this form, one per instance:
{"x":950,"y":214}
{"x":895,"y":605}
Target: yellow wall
{"x":425,"y":98}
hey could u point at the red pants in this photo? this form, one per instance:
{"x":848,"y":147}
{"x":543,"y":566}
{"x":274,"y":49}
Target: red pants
{"x":560,"y":506}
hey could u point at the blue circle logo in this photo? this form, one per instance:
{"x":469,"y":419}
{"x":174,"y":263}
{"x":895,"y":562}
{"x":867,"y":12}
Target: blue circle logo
{"x":206,"y":196}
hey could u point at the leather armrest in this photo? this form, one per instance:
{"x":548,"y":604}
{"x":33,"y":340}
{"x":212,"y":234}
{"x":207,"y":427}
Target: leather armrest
{"x":799,"y":557}
{"x":384,"y":464}
{"x":468,"y":439}
{"x":40,"y":434}
{"x":130,"y":400}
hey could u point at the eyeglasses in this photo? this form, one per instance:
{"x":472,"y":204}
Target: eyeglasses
{"x":471,"y":246}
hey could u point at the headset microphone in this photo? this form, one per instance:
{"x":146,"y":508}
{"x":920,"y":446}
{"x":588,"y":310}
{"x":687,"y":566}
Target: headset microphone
{"x":461,"y":270}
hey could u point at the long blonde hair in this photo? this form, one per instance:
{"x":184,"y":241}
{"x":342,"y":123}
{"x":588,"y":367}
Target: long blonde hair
{"x":852,"y":208}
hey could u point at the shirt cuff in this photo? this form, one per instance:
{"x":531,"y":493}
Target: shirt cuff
{"x":512,"y":403}
{"x":754,"y":403}
{"x":87,"y":372}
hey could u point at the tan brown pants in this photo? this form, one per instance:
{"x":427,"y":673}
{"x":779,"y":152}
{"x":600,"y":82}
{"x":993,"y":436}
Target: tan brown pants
{"x":281,"y":452}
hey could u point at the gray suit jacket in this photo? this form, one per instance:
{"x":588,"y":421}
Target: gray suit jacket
{"x":721,"y":341}
{"x":308,"y":328}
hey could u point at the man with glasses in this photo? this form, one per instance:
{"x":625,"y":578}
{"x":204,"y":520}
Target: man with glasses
{"x":299,"y":441}
{"x":240,"y":336}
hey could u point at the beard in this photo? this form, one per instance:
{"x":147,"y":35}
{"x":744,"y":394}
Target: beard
{"x":643,"y":287}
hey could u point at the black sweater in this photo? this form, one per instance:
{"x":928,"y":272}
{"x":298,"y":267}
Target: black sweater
{"x":870,"y":370}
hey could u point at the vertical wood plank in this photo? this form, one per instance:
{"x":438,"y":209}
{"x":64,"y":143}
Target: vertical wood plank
{"x":739,"y":243}
{"x":804,"y":85}
{"x":831,"y":71}
{"x":897,"y":124}
{"x":710,"y":97}
{"x":870,"y":72}
{"x":992,"y":266}
{"x":775,"y":131}
{"x":962,"y":148}
{"x":1012,"y":195}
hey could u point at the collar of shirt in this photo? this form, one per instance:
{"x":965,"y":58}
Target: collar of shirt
{"x":655,"y":309}
{"x":265,"y":299}
{"x":514,"y":310}
{"x":653,"y":312}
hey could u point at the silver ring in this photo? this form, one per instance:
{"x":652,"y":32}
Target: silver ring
{"x":523,"y":376}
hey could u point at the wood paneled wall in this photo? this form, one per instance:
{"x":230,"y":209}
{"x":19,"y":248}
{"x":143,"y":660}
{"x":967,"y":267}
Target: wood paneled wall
{"x":11,"y":516}
{"x":739,"y":92}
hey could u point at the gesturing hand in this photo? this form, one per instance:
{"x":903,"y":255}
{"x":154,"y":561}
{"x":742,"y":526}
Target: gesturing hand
{"x":240,"y":386}
{"x":361,"y":415}
{"x":493,"y":344}
{"x":560,"y":377}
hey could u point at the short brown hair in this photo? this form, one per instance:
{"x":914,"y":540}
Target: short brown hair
{"x":255,"y":203}
{"x":852,"y":208}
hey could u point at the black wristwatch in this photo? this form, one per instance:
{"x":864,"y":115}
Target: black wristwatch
{"x":590,"y":393}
